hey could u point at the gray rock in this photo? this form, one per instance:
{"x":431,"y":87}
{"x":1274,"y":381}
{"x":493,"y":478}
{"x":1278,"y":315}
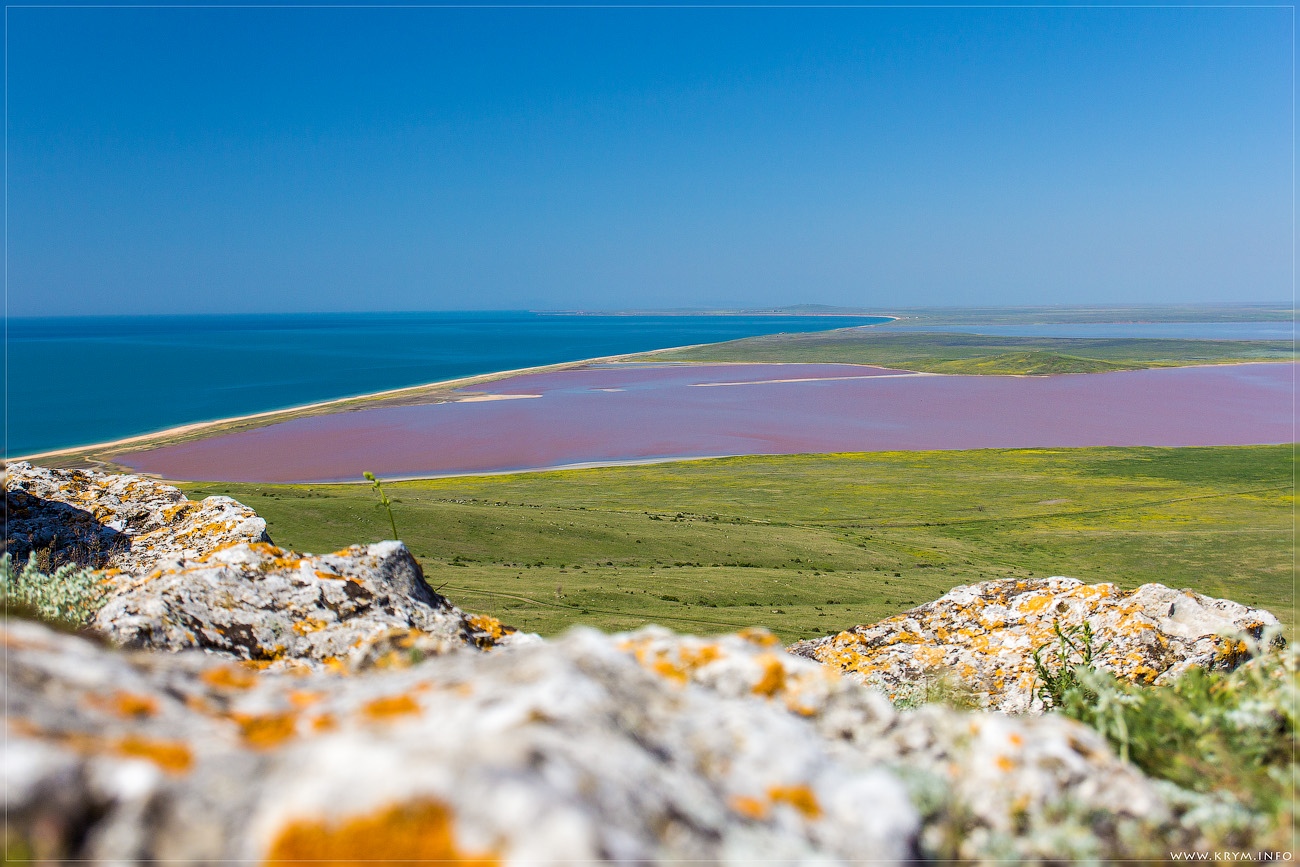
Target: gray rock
{"x":990,"y":786}
{"x":984,"y":636}
{"x":364,"y":606}
{"x":562,"y":752}
{"x":121,"y":523}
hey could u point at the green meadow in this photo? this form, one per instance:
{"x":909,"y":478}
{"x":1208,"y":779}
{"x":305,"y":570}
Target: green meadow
{"x":807,"y":545}
{"x":936,"y":352}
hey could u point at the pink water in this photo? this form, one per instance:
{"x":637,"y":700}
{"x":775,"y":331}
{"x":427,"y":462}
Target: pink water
{"x":644,"y":412}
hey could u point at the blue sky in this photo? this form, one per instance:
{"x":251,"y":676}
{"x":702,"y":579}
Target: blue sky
{"x":250,"y":160}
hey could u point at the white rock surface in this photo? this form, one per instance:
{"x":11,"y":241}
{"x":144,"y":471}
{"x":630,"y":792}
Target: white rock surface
{"x":363,"y":606}
{"x":984,"y":636}
{"x":561,"y":753}
{"x":122,"y":522}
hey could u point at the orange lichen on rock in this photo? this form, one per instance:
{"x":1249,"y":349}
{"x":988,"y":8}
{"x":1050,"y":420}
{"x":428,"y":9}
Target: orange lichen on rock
{"x":324,"y":723}
{"x":171,"y":513}
{"x":229,"y":677}
{"x":128,"y":704}
{"x":265,"y":731}
{"x":758,"y":635}
{"x":311,"y":624}
{"x":773,"y":679}
{"x":302,"y":698}
{"x":668,"y":670}
{"x":801,"y":798}
{"x":417,"y":831}
{"x":391,"y":706}
{"x":489,"y":626}
{"x":750,"y":808}
{"x":174,"y":757}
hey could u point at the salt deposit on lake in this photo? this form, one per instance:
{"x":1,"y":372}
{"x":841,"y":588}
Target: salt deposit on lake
{"x":623,"y":412}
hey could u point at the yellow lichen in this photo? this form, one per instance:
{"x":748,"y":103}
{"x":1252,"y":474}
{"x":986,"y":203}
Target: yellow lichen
{"x":130,"y":704}
{"x":324,"y":723}
{"x":489,"y":626}
{"x":173,"y":757}
{"x":229,"y":677}
{"x":264,"y":731}
{"x":758,"y":635}
{"x":417,"y":831}
{"x":311,"y":624}
{"x":391,"y":706}
{"x":750,"y":808}
{"x":802,"y":798}
{"x":666,"y":669}
{"x":773,"y":679}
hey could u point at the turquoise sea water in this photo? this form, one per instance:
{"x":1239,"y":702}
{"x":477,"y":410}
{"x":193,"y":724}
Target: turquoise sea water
{"x":75,"y":381}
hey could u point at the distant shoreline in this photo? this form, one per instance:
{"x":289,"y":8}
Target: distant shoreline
{"x":161,"y":436}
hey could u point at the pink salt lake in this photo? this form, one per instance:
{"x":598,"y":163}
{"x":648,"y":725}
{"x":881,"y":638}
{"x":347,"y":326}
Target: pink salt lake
{"x":603,"y":414}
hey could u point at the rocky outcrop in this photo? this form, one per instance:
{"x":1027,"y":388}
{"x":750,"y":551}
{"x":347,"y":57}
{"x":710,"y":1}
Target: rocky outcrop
{"x":314,"y":708}
{"x":204,"y":575}
{"x":126,"y":523}
{"x":363,"y":606}
{"x":984,"y":636}
{"x":560,"y":753}
{"x":645,"y":746}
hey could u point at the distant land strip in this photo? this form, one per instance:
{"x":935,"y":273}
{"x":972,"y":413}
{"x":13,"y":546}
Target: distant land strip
{"x":977,"y":354}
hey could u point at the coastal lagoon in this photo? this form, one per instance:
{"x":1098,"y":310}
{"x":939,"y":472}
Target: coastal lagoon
{"x":78,"y":380}
{"x":615,"y":413}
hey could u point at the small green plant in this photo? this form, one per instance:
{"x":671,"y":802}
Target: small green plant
{"x":70,"y":594}
{"x":383,"y":500}
{"x":1054,"y":682}
{"x":1226,"y":735}
{"x":938,"y":686}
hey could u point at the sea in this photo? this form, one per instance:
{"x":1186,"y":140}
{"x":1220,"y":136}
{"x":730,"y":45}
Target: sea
{"x":72,"y":381}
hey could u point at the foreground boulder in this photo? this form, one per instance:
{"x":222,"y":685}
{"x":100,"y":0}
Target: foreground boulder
{"x":559,"y":753}
{"x":185,"y":575}
{"x":640,"y":747}
{"x":364,"y":605}
{"x":983,"y":636}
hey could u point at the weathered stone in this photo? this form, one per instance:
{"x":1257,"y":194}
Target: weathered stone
{"x":984,"y":636}
{"x":567,"y":751}
{"x":117,"y":522}
{"x":203,"y":575}
{"x":365,"y":605}
{"x":991,"y":786}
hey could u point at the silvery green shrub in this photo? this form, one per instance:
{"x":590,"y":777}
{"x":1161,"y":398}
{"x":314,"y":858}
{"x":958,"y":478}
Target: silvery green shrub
{"x":70,"y":594}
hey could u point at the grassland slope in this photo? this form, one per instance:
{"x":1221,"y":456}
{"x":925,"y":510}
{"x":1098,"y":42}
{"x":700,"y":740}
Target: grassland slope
{"x":808,"y":545}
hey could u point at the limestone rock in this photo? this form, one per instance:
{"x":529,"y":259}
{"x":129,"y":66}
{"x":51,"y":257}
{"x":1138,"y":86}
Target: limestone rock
{"x":118,"y":522}
{"x":991,"y":786}
{"x":204,"y":575}
{"x":984,"y":635}
{"x":565,"y":752}
{"x":362,"y":606}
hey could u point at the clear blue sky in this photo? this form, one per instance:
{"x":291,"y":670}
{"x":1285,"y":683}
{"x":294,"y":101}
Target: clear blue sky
{"x":248,"y":160}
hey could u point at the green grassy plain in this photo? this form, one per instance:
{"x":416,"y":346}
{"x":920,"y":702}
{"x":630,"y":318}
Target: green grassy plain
{"x":937,"y":352}
{"x":808,"y":545}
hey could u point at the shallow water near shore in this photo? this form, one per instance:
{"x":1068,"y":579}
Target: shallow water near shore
{"x":646,"y":412}
{"x":75,"y":381}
